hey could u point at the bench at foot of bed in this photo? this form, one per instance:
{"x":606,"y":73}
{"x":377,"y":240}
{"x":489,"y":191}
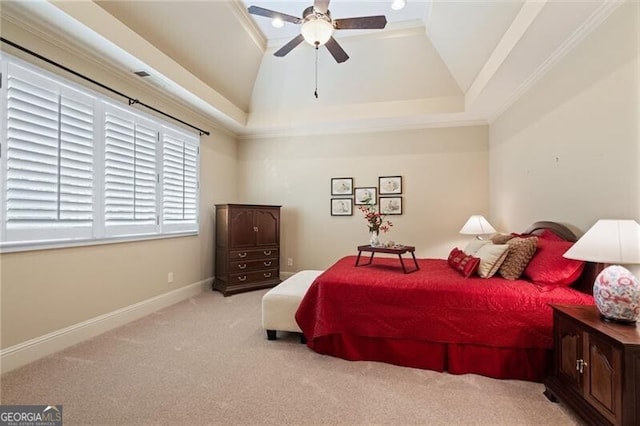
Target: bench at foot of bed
{"x":279,"y":305}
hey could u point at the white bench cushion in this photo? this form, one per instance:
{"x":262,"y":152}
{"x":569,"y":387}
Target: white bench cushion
{"x":279,"y":305}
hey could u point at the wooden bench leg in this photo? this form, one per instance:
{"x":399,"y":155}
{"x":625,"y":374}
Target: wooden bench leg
{"x":271,"y":335}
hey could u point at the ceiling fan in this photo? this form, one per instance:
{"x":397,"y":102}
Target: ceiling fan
{"x":318,"y":27}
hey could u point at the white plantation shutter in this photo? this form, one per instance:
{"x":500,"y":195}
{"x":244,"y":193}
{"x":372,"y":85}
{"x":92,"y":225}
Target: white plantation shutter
{"x":77,"y":168}
{"x":130,"y":178}
{"x":48,"y":191}
{"x":180,"y":171}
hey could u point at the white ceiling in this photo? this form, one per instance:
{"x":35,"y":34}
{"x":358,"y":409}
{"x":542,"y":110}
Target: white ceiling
{"x":435,"y":64}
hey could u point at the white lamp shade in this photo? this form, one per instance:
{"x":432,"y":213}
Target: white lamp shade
{"x":477,"y":225}
{"x":609,"y":241}
{"x":317,"y":31}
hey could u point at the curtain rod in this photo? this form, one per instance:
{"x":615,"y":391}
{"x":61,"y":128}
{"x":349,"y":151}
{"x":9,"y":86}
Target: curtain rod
{"x":131,"y":100}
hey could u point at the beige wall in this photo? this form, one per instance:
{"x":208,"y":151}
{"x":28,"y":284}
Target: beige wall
{"x":445,"y":180}
{"x":46,"y":290}
{"x":569,"y":149}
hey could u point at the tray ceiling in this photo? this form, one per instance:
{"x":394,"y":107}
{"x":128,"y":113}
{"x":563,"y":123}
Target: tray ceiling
{"x":436,"y":63}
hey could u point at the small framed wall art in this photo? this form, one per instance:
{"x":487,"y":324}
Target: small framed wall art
{"x":366,"y":195}
{"x":391,"y":205}
{"x":390,"y":185}
{"x":341,"y":207}
{"x":342,"y":186}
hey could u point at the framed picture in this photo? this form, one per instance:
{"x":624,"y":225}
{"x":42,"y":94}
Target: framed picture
{"x":390,"y":184}
{"x":391,"y":205}
{"x":342,"y":186}
{"x":341,"y":207}
{"x":367,"y":195}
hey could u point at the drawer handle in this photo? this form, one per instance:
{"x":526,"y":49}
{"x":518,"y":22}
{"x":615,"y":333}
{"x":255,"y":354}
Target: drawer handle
{"x":267,"y":252}
{"x":242,"y":278}
{"x":267,"y":263}
{"x":242,"y":265}
{"x":255,"y":229}
{"x":242,"y":254}
{"x":267,"y":274}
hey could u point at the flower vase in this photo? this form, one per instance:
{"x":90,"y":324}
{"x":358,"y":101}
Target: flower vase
{"x":373,"y":238}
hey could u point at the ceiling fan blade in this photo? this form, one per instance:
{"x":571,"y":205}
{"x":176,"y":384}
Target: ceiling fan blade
{"x":362,"y":23}
{"x":289,"y":46}
{"x":321,"y":5}
{"x":336,"y":51}
{"x":260,"y":11}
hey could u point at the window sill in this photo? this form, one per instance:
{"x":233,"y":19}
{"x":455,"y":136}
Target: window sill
{"x":47,"y":245}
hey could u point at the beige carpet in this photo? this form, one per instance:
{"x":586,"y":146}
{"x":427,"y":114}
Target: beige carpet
{"x":207,"y":361}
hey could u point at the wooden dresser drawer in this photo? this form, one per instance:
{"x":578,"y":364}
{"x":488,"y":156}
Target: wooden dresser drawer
{"x":249,"y":277}
{"x":252,"y":265}
{"x":236,"y":255}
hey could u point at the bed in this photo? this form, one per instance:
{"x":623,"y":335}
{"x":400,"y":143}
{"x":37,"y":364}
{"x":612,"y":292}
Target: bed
{"x":438,"y":319}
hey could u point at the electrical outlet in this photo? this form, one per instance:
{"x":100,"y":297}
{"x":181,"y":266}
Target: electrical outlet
{"x":289,"y":261}
{"x":170,"y":277}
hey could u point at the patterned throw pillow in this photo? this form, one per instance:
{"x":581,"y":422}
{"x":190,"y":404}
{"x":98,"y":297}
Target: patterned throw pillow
{"x":463,"y":263}
{"x":521,"y":251}
{"x":501,"y":238}
{"x":491,"y":258}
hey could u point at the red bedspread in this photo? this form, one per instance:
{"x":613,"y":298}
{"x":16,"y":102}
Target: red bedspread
{"x":434,"y":304}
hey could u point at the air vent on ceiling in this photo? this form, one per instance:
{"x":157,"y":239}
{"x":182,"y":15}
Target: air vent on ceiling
{"x":141,"y":73}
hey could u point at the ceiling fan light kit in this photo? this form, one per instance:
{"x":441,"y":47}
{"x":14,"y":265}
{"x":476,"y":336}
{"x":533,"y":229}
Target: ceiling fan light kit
{"x":317,"y":28}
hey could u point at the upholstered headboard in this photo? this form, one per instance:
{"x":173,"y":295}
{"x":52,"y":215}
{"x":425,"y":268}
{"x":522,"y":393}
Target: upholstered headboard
{"x":590,"y":271}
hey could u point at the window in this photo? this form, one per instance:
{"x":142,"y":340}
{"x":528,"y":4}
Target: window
{"x":79,"y":168}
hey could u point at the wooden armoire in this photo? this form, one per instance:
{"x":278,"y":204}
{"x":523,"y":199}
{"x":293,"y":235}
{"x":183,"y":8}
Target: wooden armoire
{"x":247,"y":247}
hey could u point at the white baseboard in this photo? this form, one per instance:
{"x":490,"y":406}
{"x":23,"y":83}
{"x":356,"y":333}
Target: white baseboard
{"x":26,"y":352}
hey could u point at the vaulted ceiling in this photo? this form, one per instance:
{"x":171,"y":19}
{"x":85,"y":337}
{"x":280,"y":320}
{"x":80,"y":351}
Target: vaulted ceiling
{"x":437,"y":63}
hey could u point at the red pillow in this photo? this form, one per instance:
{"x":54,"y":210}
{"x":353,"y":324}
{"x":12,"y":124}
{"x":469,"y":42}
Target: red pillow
{"x":548,"y":267}
{"x":463,"y":263}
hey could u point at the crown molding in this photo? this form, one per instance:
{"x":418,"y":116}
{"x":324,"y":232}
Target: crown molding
{"x":432,"y":122}
{"x":248,"y":24}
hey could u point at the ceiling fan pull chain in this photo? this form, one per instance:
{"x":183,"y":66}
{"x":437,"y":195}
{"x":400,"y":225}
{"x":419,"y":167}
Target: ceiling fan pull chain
{"x":316,"y":91}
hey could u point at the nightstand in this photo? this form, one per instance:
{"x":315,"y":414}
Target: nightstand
{"x":596,"y":367}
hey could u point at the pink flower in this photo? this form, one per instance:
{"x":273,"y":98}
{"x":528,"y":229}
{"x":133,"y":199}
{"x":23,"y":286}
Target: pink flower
{"x":375,"y":220}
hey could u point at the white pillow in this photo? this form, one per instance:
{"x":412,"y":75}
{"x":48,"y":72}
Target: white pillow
{"x":474,"y":245}
{"x":491,"y":258}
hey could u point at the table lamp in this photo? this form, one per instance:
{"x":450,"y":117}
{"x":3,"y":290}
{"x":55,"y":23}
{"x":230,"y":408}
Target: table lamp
{"x":477,"y":225}
{"x":616,"y":290}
